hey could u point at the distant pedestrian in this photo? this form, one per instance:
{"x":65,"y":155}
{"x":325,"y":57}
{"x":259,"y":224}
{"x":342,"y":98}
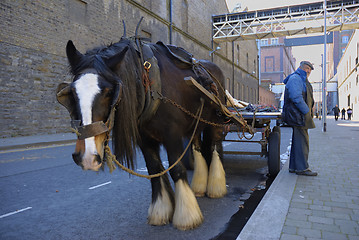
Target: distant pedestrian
{"x":336,"y":111}
{"x":343,"y":114}
{"x":297,"y":113}
{"x":349,"y":112}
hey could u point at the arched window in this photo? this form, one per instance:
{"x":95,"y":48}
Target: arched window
{"x":247,"y":63}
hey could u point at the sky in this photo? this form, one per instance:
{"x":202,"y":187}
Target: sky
{"x":310,"y":53}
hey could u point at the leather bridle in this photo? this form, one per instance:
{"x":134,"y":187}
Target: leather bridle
{"x":99,"y":127}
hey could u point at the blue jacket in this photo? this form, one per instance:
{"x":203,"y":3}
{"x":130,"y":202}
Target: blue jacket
{"x":295,"y":107}
{"x":295,"y":86}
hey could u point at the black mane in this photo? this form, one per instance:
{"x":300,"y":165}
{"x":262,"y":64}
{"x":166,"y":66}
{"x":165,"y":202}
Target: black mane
{"x":94,"y":59}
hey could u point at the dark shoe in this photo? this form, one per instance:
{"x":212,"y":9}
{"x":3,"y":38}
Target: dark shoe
{"x":291,"y":171}
{"x":307,"y":172}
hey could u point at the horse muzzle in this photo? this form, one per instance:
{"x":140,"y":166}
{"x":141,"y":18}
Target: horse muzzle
{"x":92,"y":162}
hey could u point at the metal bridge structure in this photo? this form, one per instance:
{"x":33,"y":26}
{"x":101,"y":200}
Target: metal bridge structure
{"x":286,"y":21}
{"x":317,"y":17}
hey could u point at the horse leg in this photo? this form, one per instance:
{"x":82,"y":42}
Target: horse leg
{"x":187,"y":213}
{"x":200,"y":173}
{"x":161,"y":208}
{"x":216,"y":187}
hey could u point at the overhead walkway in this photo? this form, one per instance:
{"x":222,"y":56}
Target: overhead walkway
{"x":286,"y":21}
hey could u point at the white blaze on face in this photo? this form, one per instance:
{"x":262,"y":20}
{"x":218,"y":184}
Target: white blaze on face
{"x":86,"y":89}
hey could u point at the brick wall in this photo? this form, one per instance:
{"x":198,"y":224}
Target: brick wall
{"x":34,"y":34}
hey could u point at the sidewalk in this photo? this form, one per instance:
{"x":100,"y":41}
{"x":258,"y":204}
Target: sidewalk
{"x":322,"y":207}
{"x":36,"y":141}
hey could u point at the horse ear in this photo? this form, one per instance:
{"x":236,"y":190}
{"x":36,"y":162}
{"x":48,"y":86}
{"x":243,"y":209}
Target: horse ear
{"x":73,"y":55}
{"x":113,"y":61}
{"x":65,"y":98}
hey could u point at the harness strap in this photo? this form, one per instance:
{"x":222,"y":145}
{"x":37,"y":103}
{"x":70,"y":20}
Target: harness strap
{"x":89,"y":130}
{"x":111,"y":159}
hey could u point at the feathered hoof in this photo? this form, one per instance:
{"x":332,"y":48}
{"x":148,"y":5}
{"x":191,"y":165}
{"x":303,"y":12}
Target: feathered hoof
{"x":200,"y":174}
{"x":216,"y":187}
{"x":199,"y":194}
{"x":217,"y":191}
{"x":159,"y":219}
{"x":160,"y":212}
{"x":187,"y":213}
{"x":188,"y":226}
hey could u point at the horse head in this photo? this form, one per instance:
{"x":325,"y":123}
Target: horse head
{"x":91,"y":100}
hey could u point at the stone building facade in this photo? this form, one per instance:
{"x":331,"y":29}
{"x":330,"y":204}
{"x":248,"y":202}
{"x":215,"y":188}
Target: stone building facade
{"x":34,"y":34}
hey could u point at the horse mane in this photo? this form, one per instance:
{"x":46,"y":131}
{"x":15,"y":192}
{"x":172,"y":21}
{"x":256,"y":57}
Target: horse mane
{"x":125,"y":133}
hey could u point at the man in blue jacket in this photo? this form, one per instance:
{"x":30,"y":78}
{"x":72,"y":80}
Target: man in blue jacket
{"x":297,"y":113}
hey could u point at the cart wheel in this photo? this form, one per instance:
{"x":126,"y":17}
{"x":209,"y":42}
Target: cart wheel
{"x":187,"y":159}
{"x":274,"y":153}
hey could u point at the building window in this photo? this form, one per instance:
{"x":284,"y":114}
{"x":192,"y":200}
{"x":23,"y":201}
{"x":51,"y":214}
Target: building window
{"x":184,"y":15}
{"x":228,"y":85}
{"x":264,"y":42}
{"x":274,"y":41}
{"x":269,"y":64}
{"x":345,"y":39}
{"x":78,"y":11}
{"x":254,"y":67}
{"x":247,"y":62}
{"x":247,"y":94}
{"x":237,"y":90}
{"x":349,"y":100}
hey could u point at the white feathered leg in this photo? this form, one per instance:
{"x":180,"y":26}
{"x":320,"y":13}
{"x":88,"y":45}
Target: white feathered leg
{"x":216,"y":187}
{"x":187,"y":213}
{"x":160,"y":212}
{"x":200,"y":174}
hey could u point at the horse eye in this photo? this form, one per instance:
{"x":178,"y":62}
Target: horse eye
{"x":107,"y":92}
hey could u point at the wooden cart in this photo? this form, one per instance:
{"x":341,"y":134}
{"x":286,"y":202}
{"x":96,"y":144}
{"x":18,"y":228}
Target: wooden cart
{"x":258,"y":122}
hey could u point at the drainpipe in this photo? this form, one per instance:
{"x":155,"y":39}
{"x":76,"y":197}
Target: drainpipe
{"x":233,"y":68}
{"x":259,"y":66}
{"x":170,"y":15}
{"x":259,"y":61}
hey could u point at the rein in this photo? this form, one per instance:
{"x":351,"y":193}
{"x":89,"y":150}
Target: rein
{"x":219,"y":103}
{"x":111,"y":159}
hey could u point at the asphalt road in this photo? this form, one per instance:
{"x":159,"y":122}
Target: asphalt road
{"x":44,"y":195}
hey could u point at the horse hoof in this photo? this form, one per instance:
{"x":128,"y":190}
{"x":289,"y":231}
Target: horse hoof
{"x":217,"y":193}
{"x":160,"y":212}
{"x":200,"y":174}
{"x":199,"y":194}
{"x":216,"y":187}
{"x":187,"y":213}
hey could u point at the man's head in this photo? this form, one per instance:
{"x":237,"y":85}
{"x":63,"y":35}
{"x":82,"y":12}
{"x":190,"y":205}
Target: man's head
{"x":306,"y":66}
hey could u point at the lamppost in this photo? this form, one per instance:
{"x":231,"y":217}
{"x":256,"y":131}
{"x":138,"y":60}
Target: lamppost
{"x":324,"y":89}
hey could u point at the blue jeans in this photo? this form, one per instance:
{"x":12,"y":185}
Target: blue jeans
{"x":300,"y":149}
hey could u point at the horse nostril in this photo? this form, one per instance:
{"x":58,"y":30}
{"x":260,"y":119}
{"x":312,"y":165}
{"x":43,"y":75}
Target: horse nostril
{"x":77,"y":158}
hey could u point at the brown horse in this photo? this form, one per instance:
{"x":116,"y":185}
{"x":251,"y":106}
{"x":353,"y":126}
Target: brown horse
{"x":123,"y":88}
